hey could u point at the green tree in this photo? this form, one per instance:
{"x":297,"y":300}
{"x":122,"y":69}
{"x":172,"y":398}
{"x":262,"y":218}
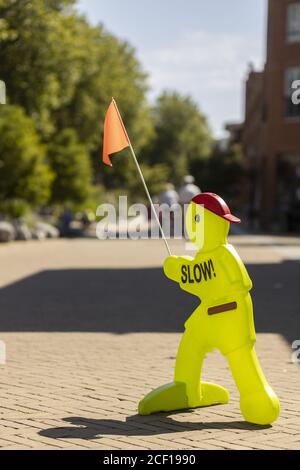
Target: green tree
{"x":182,"y":135}
{"x":64,"y":71}
{"x":37,"y":56}
{"x":222,"y":173}
{"x":24,"y":173}
{"x":70,"y":163}
{"x":155,"y":176}
{"x":108,"y":67}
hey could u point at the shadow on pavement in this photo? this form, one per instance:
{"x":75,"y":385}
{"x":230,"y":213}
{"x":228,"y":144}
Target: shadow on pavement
{"x":137,"y":426}
{"x":138,"y":300}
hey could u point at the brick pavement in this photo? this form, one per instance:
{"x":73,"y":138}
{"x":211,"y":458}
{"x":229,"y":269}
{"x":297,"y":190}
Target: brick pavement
{"x":73,"y":389}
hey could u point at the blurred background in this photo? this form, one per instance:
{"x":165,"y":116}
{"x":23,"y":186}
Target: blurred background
{"x":206,"y":92}
{"x":201,"y":94}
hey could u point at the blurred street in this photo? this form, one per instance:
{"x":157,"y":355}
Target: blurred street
{"x":90,"y":326}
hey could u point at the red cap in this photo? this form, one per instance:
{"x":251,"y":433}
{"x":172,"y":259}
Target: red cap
{"x":217,"y":205}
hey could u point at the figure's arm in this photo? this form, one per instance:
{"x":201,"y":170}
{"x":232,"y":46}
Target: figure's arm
{"x":172,"y":266}
{"x":235,"y":267}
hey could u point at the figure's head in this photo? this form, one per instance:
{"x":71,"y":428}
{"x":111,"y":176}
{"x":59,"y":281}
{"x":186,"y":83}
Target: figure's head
{"x":207,"y":221}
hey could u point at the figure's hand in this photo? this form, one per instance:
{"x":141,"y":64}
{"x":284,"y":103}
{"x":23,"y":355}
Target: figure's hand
{"x":171,"y":267}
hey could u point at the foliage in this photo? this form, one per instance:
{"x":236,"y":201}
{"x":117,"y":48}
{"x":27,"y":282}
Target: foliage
{"x":60,"y":74}
{"x":63,"y":71}
{"x":15,"y":208}
{"x":182,"y":135}
{"x":222,"y":172}
{"x":155,"y":177}
{"x":71,"y":165}
{"x":24,"y":173}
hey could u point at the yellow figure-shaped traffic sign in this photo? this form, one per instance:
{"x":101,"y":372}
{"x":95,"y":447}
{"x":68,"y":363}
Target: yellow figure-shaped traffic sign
{"x":223,"y":320}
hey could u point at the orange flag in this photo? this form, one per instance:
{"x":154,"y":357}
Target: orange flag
{"x":115,"y":137}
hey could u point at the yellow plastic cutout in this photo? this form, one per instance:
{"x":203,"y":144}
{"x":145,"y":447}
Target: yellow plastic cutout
{"x":223,"y":320}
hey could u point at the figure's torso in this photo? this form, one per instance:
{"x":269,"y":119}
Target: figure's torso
{"x":214,"y":276}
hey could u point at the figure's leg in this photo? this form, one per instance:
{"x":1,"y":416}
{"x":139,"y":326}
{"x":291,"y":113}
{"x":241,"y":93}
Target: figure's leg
{"x":189,"y":361}
{"x":259,"y":404}
{"x":185,"y":391}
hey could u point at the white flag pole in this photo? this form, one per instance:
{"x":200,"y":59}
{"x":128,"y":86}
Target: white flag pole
{"x":144,"y":182}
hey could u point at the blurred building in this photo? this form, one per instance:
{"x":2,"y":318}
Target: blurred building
{"x":271,"y":130}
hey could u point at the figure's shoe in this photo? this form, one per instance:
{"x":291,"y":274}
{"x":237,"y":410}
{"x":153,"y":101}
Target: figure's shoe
{"x":262,"y":407}
{"x":172,"y":396}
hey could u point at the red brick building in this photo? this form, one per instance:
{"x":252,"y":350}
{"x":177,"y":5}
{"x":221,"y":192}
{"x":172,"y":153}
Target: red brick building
{"x":271,"y":131}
